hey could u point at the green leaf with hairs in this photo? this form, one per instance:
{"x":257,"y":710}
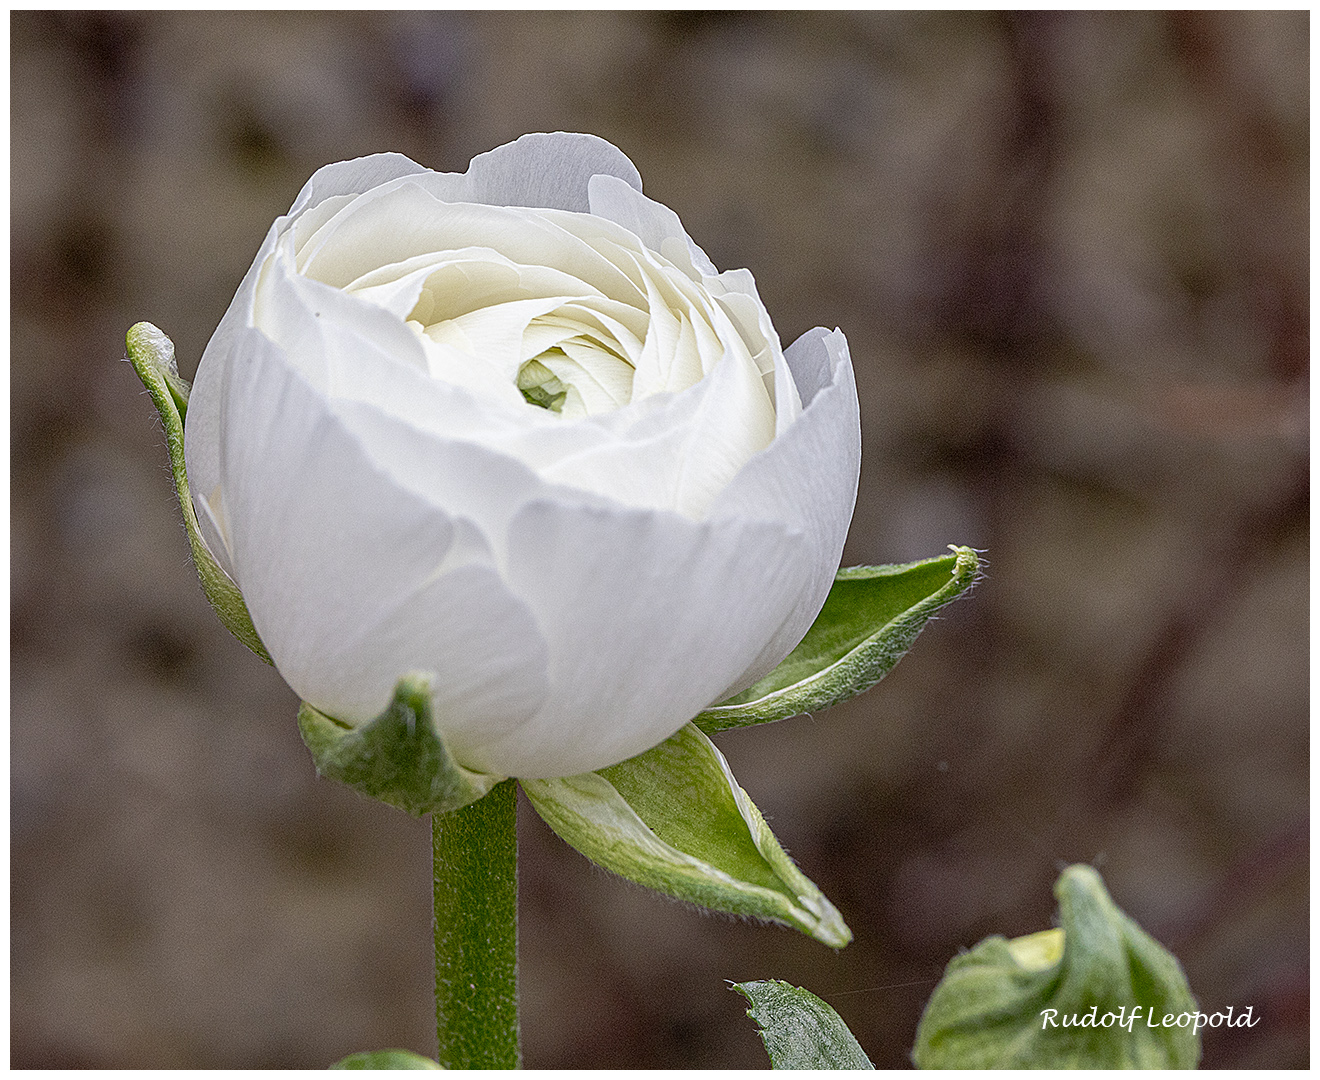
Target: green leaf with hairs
{"x":871,"y":617}
{"x":799,"y":1030}
{"x":398,"y":758}
{"x":675,"y":820}
{"x":152,"y":355}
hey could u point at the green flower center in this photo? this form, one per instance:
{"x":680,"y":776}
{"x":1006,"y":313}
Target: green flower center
{"x":540,"y":386}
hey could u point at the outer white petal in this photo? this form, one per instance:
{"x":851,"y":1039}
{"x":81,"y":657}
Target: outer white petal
{"x":806,"y":478}
{"x":816,"y":360}
{"x":353,"y":581}
{"x":326,"y":332}
{"x":648,"y":617}
{"x":470,"y":481}
{"x":663,"y":611}
{"x":210,"y":520}
{"x":202,"y":430}
{"x":201,"y":433}
{"x":352,"y":178}
{"x":658,"y":227}
{"x":549,"y":170}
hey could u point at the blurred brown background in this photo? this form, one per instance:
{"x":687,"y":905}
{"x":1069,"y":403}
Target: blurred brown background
{"x":1070,"y":254}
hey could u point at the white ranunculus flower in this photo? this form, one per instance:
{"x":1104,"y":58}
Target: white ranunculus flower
{"x":512,"y":428}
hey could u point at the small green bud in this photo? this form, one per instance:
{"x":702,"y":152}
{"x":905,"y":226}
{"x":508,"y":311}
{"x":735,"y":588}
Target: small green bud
{"x":385,"y":1059}
{"x":1099,"y":993}
{"x":540,"y":386}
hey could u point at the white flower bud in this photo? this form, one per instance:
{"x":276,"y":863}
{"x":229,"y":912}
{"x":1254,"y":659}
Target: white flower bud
{"x":510,"y":429}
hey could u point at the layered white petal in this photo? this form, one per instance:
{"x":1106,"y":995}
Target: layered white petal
{"x":646,"y":614}
{"x":657,"y":226}
{"x":201,"y":442}
{"x":551,"y":170}
{"x":353,"y":178}
{"x":806,"y":478}
{"x":330,"y":186}
{"x":353,"y":581}
{"x":402,"y":219}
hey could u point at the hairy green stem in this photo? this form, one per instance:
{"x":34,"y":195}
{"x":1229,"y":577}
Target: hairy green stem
{"x":476,"y":932}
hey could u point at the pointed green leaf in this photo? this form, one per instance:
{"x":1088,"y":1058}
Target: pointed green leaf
{"x":799,"y":1030}
{"x":385,"y":1059}
{"x":870,"y":619}
{"x":675,"y":820}
{"x":1094,"y":994}
{"x":152,"y":355}
{"x":398,"y":758}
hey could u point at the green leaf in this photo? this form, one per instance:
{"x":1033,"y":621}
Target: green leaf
{"x":398,"y":758}
{"x":385,"y":1059}
{"x":870,"y":619}
{"x":799,"y":1030}
{"x":675,"y":820}
{"x":1091,"y":995}
{"x":152,"y":355}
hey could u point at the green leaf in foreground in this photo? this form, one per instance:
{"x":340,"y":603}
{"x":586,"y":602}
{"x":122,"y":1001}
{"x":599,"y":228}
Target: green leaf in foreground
{"x":152,"y":355}
{"x":1094,"y":994}
{"x":870,"y":619}
{"x":675,"y":820}
{"x":799,"y":1030}
{"x":385,"y":1059}
{"x":398,"y":758}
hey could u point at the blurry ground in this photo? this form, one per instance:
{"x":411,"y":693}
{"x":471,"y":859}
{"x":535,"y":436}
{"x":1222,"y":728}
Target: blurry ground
{"x":1070,"y":255}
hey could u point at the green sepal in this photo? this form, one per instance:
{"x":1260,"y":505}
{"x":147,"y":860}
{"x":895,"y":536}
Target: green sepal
{"x":871,"y":617}
{"x":799,"y":1030}
{"x":386,"y":1059}
{"x":990,"y":1010}
{"x":675,"y":820}
{"x":398,"y":758}
{"x":152,"y":355}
